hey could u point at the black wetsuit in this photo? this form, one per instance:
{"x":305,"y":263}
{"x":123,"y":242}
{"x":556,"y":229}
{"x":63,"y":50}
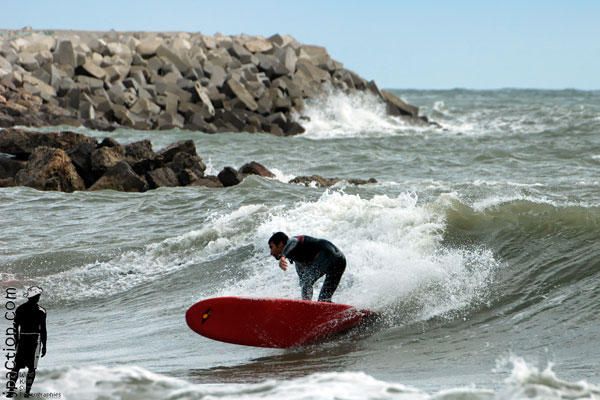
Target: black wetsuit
{"x":30,"y":322}
{"x":30,"y":327}
{"x":314,"y":258}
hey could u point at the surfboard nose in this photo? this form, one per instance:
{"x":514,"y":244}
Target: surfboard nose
{"x":197,"y":315}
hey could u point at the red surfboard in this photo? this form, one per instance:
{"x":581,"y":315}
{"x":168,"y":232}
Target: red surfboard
{"x":264,"y":322}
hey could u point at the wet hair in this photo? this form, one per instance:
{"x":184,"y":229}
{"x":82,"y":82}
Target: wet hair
{"x":278,"y":237}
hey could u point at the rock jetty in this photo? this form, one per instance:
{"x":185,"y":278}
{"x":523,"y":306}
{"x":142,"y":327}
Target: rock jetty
{"x":218,"y":83}
{"x":69,"y":161}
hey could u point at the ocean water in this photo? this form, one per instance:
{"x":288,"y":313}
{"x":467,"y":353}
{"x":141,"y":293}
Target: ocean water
{"x":479,"y":245}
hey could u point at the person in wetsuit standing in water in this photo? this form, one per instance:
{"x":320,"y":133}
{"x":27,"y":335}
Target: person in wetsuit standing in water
{"x":313,"y":258}
{"x":30,"y":336}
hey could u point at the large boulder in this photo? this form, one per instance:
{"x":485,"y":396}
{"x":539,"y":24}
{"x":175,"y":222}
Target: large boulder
{"x":22,"y":143}
{"x":65,"y":54}
{"x":89,"y":68}
{"x":258,"y":45}
{"x":148,"y":46}
{"x":174,"y":56}
{"x":184,"y":146}
{"x":81,"y":157}
{"x":184,"y":163}
{"x":50,"y":169}
{"x":121,"y":177}
{"x":319,"y":181}
{"x":162,"y":177}
{"x":104,"y":158}
{"x":10,"y":166}
{"x":254,"y":168}
{"x":139,"y":150}
{"x":314,"y":180}
{"x":229,"y":176}
{"x":395,"y":106}
{"x":240,"y":92}
{"x":271,"y":66}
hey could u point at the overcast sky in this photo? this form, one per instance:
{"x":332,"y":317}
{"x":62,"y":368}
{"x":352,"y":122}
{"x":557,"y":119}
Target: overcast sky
{"x":401,"y":44}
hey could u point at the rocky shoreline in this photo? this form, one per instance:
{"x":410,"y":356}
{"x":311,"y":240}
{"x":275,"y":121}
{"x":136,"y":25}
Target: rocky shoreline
{"x":105,"y":80}
{"x":69,"y":161}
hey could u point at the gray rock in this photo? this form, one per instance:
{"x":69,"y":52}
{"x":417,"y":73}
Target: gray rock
{"x":293,"y":128}
{"x":116,"y":73}
{"x":216,"y":73}
{"x":105,"y":157}
{"x":278,"y":118}
{"x":64,"y":53}
{"x":254,"y":168}
{"x":145,"y":107}
{"x":22,"y":143}
{"x":207,"y":181}
{"x":170,"y":121}
{"x":239,"y":91}
{"x":37,"y":87}
{"x":81,"y":157}
{"x":28,"y":61}
{"x":271,"y":66}
{"x":139,"y":150}
{"x":265,"y":103}
{"x":238,"y":51}
{"x":5,"y":67}
{"x":189,"y":110}
{"x":276,"y":130}
{"x":10,"y":166}
{"x":258,"y":45}
{"x":165,"y":87}
{"x":162,"y":177}
{"x":148,"y":46}
{"x":184,"y":146}
{"x":395,"y":106}
{"x":204,"y":99}
{"x":183,"y":164}
{"x":326,"y":182}
{"x":86,"y":110}
{"x":208,"y":42}
{"x":177,"y":59}
{"x":119,"y":49}
{"x":311,"y":72}
{"x":317,"y":56}
{"x":287,"y":56}
{"x":121,"y":177}
{"x":282,"y":40}
{"x":89,"y":68}
{"x":317,"y":180}
{"x":50,"y":169}
{"x":87,"y":82}
{"x":229,"y":177}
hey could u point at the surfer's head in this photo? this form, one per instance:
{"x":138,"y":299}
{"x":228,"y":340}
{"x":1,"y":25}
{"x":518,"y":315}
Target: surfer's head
{"x":33,"y":294}
{"x":277,"y":243}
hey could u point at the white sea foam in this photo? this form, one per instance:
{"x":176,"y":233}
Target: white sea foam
{"x":282,"y":176}
{"x":131,"y":382}
{"x":394,"y":252}
{"x":360,"y":114}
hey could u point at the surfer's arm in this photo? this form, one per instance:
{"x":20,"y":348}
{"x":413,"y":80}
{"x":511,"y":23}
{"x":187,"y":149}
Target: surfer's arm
{"x":283,"y":263}
{"x":43,"y":334}
{"x":16,"y":324}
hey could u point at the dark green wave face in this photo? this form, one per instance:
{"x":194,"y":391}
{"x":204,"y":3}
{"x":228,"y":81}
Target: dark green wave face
{"x":477,"y":244}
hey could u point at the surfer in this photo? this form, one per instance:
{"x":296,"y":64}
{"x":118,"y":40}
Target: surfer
{"x":313,"y":258}
{"x":30,"y":335}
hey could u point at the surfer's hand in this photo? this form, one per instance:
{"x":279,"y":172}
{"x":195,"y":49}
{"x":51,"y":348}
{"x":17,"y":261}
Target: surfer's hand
{"x":43,"y":351}
{"x":283,"y":264}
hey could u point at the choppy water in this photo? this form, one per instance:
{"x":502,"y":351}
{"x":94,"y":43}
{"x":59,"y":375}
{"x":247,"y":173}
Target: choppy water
{"x":480,"y":246}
